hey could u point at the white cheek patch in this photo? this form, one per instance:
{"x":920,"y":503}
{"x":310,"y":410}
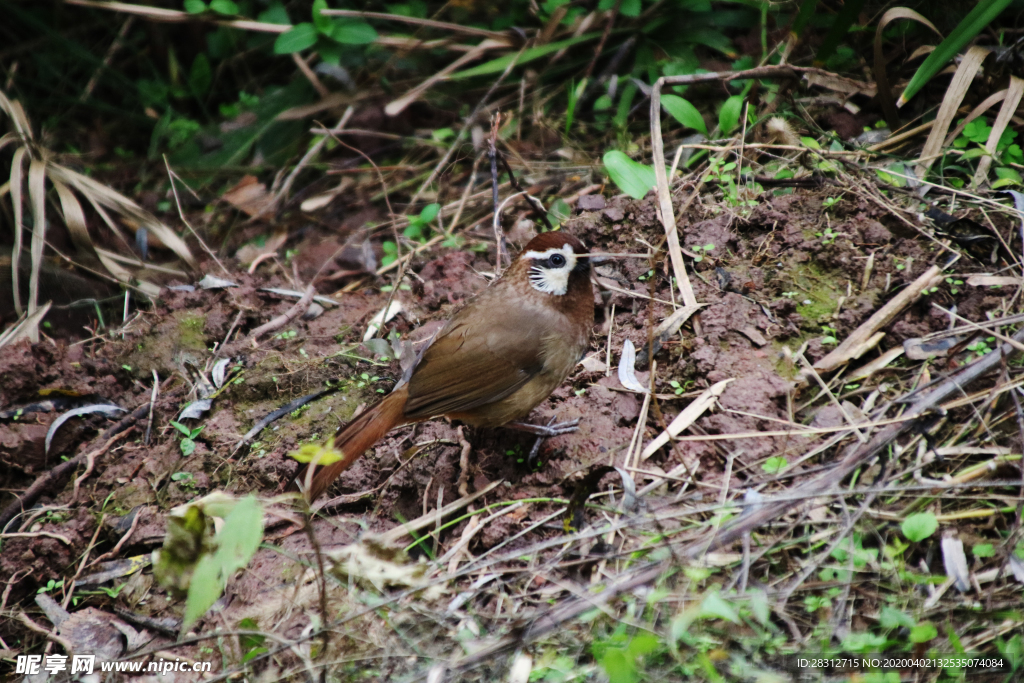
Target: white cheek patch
{"x":546,"y":278}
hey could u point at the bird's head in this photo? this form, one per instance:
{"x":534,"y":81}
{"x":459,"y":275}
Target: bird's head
{"x":555,"y":263}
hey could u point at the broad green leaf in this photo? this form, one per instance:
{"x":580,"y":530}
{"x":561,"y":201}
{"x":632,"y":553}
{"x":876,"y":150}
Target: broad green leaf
{"x":275,"y":14}
{"x":983,"y":14}
{"x":716,"y":606}
{"x":195,"y":6}
{"x":890,"y":618}
{"x":919,"y":526}
{"x":923,"y":632}
{"x":350,"y":32}
{"x":301,"y":37}
{"x":323,"y":24}
{"x":759,"y":606}
{"x":984,"y":550}
{"x":227,"y":7}
{"x":684,"y":112}
{"x":633,"y":178}
{"x":501,"y":63}
{"x":729,"y":115}
{"x":429,"y":212}
{"x":203,"y":590}
{"x":240,"y":537}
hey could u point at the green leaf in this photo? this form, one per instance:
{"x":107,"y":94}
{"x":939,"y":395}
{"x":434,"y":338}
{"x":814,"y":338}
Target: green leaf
{"x":329,"y":51}
{"x":984,"y":550}
{"x":227,"y":7}
{"x":560,"y":210}
{"x":275,"y":14}
{"x":203,"y":590}
{"x":429,"y":212}
{"x":919,"y":526}
{"x":890,"y":618}
{"x":181,"y":428}
{"x":195,"y":6}
{"x":240,"y":537}
{"x":200,"y":76}
{"x":350,"y":32}
{"x":923,"y":632}
{"x":729,"y":115}
{"x":188,"y":447}
{"x":684,"y":112}
{"x":501,"y":63}
{"x":323,"y":24}
{"x":774,"y":464}
{"x":983,"y":14}
{"x":301,"y":37}
{"x":716,"y":606}
{"x":759,"y":606}
{"x":635,"y":179}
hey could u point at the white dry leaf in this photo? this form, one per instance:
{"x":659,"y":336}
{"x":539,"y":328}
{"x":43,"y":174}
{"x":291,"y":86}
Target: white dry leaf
{"x":195,"y":409}
{"x":107,"y":409}
{"x":219,"y":372}
{"x":955,"y":561}
{"x":382,"y":318}
{"x":382,"y":566}
{"x":627,"y":369}
{"x":630,"y":503}
{"x":687,"y":417}
{"x":211,"y":282}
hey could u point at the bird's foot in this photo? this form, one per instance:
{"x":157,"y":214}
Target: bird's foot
{"x":544,"y":432}
{"x":548,"y":430}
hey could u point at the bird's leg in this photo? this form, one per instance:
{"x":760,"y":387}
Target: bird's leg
{"x":543,"y":432}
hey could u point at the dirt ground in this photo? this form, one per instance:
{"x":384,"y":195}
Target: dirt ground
{"x":774,"y":279}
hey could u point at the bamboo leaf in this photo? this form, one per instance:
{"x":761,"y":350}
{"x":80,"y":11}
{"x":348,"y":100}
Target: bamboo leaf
{"x":37,"y":199}
{"x":976,"y":20}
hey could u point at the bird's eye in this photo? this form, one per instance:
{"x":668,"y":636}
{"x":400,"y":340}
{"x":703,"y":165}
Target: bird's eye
{"x":557,"y":260}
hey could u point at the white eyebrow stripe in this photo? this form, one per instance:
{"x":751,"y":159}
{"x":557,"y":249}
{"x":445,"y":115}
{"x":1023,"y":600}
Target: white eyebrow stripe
{"x":565,"y":250}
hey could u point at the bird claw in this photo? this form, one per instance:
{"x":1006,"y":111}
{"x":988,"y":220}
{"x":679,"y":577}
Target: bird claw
{"x":544,"y":432}
{"x":549,"y":430}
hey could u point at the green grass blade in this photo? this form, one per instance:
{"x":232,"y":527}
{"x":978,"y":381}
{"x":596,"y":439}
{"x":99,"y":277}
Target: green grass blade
{"x":981,"y":16}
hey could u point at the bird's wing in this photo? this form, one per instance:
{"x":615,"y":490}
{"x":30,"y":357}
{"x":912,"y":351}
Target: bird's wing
{"x":480,"y":357}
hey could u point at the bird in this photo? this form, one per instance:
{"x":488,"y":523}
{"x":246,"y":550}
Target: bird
{"x":493,"y":361}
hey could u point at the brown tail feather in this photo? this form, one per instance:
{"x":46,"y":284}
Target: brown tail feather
{"x":356,"y":437}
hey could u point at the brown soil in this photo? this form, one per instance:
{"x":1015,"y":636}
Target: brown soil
{"x":768,"y":272}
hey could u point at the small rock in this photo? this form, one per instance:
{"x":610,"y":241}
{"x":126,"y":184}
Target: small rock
{"x":590,"y":202}
{"x":614,"y":214}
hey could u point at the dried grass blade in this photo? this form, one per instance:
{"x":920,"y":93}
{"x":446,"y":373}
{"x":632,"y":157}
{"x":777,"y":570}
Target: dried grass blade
{"x":17,"y":180}
{"x":962,"y":80}
{"x":987,"y":104}
{"x":885,"y":97}
{"x":14,"y":110}
{"x":687,"y":417}
{"x":37,"y":199}
{"x":1013,"y":96}
{"x":851,"y":346}
{"x":101,"y":195}
{"x":74,"y":218}
{"x":668,"y":218}
{"x":25,"y":328}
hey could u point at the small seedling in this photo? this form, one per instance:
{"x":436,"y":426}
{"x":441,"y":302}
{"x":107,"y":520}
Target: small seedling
{"x":677,"y":388}
{"x":981,"y":347}
{"x":830,"y":335}
{"x":953,"y":285}
{"x":828,"y":236}
{"x":50,"y":586}
{"x":829,"y":202}
{"x":707,"y":249}
{"x":185,"y":480}
{"x":188,"y":441}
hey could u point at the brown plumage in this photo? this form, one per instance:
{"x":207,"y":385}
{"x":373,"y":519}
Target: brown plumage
{"x":496,"y":359}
